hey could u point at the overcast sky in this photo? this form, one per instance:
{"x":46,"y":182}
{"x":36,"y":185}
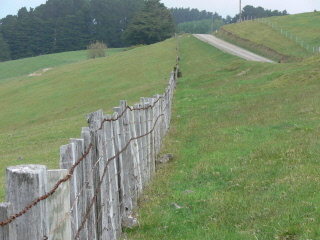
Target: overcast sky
{"x":224,"y":8}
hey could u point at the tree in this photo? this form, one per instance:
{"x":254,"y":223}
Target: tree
{"x":111,"y":18}
{"x":154,"y":23}
{"x":4,"y":50}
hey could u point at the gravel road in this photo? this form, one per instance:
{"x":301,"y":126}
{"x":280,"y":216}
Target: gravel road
{"x":230,"y":48}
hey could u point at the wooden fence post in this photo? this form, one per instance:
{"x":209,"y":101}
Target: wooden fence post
{"x":152,"y":135}
{"x":7,"y":232}
{"x":89,"y":171}
{"x":129,"y":151}
{"x":124,"y":184}
{"x":25,"y":183}
{"x":136,"y":150}
{"x":58,"y":206}
{"x":138,"y":130}
{"x":144,"y":140}
{"x":113,"y":186}
{"x":67,"y":159}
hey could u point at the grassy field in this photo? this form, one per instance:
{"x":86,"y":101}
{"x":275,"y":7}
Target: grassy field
{"x":245,"y":137}
{"x":41,"y":113}
{"x":265,"y":40}
{"x":306,"y":26}
{"x":26,"y":66}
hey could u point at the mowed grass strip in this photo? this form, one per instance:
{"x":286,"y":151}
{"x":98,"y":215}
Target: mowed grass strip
{"x":245,"y":137}
{"x":41,"y":113}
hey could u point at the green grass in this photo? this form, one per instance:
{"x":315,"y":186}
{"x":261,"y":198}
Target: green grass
{"x":41,"y":113}
{"x":246,"y":145}
{"x":27,"y":66}
{"x":306,"y":26}
{"x":267,"y":41}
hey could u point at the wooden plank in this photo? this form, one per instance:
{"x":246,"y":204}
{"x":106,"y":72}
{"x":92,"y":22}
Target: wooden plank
{"x":94,"y":122}
{"x":138,"y":131}
{"x":58,"y":206}
{"x":103,"y":214}
{"x":144,"y":140}
{"x":67,"y":159}
{"x":80,"y":181}
{"x":152,"y":135}
{"x":125,"y":187}
{"x":136,"y":152}
{"x":89,"y":171}
{"x":113,"y":179}
{"x":25,"y":183}
{"x":129,"y":151}
{"x":7,"y":232}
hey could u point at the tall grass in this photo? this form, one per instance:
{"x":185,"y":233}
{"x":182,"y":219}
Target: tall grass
{"x":245,"y":137}
{"x":41,"y":113}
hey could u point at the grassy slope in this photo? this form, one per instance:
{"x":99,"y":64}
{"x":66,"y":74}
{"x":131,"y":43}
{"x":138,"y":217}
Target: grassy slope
{"x":27,"y":66}
{"x":39,"y":114}
{"x":245,"y":137}
{"x":303,"y":25}
{"x":306,"y":26}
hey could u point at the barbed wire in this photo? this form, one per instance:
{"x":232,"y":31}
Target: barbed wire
{"x":134,"y":157}
{"x":45,"y":196}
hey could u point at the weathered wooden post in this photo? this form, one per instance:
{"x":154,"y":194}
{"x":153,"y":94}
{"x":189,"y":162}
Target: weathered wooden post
{"x":152,"y":120}
{"x":59,"y":206}
{"x":67,"y":159}
{"x":89,"y":171}
{"x":138,"y":132}
{"x":144,"y":140}
{"x":25,"y":184}
{"x":126,"y":191}
{"x":113,"y":185}
{"x":7,"y":232}
{"x":136,"y":150}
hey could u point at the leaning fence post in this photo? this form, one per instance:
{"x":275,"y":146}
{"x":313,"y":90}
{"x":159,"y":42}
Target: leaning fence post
{"x":25,"y":184}
{"x":59,"y":206}
{"x":7,"y":232}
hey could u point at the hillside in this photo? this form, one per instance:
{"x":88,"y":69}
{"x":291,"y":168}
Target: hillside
{"x":40,"y":113}
{"x":260,"y":37}
{"x":245,"y":137}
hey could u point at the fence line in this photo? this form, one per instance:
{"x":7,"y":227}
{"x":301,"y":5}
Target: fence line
{"x":102,"y":175}
{"x":289,"y":35}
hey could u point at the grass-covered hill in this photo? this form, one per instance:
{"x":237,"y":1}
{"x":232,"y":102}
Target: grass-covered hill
{"x":246,"y":142}
{"x":244,"y":135}
{"x":41,"y":108}
{"x":260,"y":37}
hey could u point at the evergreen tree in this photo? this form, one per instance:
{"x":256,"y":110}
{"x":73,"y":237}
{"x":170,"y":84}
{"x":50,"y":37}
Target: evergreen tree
{"x":154,"y":23}
{"x":111,"y":18}
{"x":4,"y":50}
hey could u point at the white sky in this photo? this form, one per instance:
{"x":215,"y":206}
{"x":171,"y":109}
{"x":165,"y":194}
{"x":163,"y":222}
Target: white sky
{"x":224,"y":8}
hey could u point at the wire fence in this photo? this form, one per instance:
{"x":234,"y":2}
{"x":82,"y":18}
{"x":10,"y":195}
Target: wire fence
{"x":102,"y":175}
{"x":298,"y":39}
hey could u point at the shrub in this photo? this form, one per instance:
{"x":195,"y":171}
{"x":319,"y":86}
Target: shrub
{"x":96,"y":50}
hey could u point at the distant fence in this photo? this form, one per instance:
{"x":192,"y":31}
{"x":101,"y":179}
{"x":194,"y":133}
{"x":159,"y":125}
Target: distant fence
{"x":102,"y":174}
{"x":298,"y":39}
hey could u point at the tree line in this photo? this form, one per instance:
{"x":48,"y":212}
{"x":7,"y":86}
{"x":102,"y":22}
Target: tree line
{"x":195,"y":21}
{"x":69,"y":25}
{"x":66,"y":25}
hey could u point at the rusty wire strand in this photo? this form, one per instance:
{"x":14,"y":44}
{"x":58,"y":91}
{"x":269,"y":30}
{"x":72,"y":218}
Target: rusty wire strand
{"x":104,"y":173}
{"x":45,"y":196}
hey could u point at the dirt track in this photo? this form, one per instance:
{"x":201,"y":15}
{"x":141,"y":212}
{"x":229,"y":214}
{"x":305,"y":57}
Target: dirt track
{"x":230,"y":48}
